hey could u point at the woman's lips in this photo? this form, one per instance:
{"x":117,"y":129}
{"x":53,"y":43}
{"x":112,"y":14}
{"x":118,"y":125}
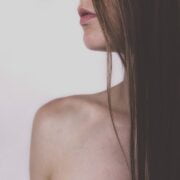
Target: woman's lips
{"x":85,"y":15}
{"x":86,"y":18}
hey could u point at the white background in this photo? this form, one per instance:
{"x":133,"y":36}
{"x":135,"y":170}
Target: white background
{"x":42,"y":57}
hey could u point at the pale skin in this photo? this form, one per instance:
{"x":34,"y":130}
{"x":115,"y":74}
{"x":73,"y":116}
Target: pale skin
{"x":73,"y":137}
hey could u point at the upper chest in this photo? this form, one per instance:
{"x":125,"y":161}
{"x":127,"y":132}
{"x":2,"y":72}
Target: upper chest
{"x":95,"y":154}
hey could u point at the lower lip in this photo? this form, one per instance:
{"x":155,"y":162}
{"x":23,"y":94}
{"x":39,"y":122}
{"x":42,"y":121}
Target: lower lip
{"x":85,"y":19}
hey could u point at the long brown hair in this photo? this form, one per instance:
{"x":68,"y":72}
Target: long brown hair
{"x":147,"y":33}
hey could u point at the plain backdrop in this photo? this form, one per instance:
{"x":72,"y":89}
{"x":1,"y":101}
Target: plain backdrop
{"x":42,"y":57}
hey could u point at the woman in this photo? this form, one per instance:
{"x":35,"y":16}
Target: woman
{"x":76,"y":137}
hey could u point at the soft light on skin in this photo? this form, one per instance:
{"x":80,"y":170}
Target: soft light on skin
{"x":94,"y":40}
{"x":93,"y":36}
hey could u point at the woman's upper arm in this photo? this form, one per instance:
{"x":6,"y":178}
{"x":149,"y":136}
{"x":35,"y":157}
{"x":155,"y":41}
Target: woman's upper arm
{"x":45,"y":147}
{"x":40,"y":158}
{"x":51,"y":137}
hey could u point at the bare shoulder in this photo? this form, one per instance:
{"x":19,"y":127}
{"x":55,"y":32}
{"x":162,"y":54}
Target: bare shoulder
{"x":60,"y":109}
{"x":56,"y":126}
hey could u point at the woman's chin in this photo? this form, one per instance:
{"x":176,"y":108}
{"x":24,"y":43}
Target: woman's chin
{"x":94,"y":41}
{"x":95,"y":46}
